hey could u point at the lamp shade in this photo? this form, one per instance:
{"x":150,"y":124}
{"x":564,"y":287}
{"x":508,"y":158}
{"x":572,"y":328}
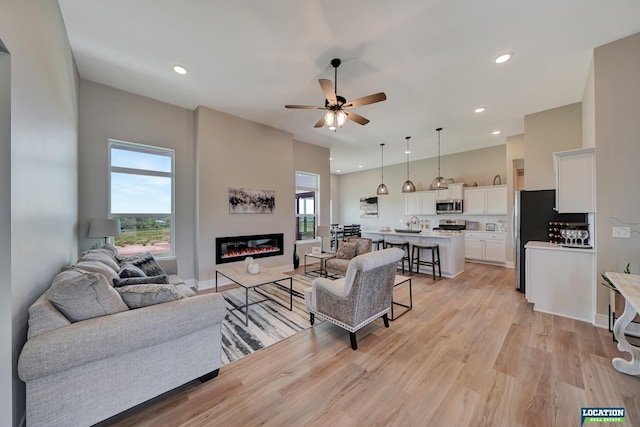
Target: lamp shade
{"x":101,"y":227}
{"x":323,"y":231}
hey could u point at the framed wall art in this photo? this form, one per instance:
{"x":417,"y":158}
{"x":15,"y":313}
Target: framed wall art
{"x":368,"y":207}
{"x":250,"y":201}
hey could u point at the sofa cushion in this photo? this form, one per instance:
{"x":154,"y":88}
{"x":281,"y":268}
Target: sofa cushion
{"x":97,"y":267}
{"x":100,"y":255}
{"x":137,"y":296}
{"x":146,"y":280}
{"x":144,"y":262}
{"x":185,"y":290}
{"x":81,"y":295}
{"x":130,"y":270}
{"x":346,"y":250}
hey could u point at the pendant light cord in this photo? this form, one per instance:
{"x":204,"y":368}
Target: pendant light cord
{"x":407,"y":138}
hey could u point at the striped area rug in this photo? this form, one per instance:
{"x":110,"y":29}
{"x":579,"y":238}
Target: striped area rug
{"x":268,"y":321}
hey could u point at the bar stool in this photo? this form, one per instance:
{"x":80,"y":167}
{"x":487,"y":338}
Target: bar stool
{"x":435,"y":257}
{"x":405,"y":247}
{"x":377,"y":244}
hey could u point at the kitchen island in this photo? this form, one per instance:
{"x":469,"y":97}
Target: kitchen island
{"x":451,"y":245}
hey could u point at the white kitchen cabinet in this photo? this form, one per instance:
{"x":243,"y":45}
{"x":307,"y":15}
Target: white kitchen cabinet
{"x":420,"y":203}
{"x":575,"y":180}
{"x":485,"y":200}
{"x":560,"y":280}
{"x":485,"y":246}
{"x":442,"y":194}
{"x":456,"y":191}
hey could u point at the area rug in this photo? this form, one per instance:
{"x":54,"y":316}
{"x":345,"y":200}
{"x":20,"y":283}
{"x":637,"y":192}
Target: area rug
{"x":269,"y":322}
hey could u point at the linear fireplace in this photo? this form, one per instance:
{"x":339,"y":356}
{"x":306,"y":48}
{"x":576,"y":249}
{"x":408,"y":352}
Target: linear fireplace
{"x":237,"y":248}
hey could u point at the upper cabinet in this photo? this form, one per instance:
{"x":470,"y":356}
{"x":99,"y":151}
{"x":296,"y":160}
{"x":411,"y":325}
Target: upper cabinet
{"x":420,"y":203}
{"x":454,"y":192}
{"x":485,"y":200}
{"x":575,"y":180}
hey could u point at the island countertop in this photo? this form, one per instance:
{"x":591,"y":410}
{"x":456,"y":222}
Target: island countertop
{"x":424,"y":233}
{"x":450,"y":243}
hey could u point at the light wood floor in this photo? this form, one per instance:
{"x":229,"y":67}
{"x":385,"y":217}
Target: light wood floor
{"x":472,"y":352}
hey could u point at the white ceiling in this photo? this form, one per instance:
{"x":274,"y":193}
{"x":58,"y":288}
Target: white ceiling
{"x":432,"y":58}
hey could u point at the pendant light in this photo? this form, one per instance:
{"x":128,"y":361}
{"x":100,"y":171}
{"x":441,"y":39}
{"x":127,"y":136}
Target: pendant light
{"x":439,"y":182}
{"x":408,"y":186}
{"x":382,"y":189}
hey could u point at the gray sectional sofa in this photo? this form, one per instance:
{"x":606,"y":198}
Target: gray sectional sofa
{"x":91,"y":353}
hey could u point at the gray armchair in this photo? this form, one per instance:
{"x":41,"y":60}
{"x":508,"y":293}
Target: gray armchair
{"x":362,"y":296}
{"x":338,"y":266}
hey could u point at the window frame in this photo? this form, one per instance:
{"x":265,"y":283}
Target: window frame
{"x":303,"y":190}
{"x":147,"y":149}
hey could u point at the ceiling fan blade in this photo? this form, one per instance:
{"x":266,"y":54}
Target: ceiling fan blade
{"x":304,"y":107}
{"x":329,"y":91}
{"x":356,"y":118}
{"x":365,"y":100}
{"x":320,"y":123}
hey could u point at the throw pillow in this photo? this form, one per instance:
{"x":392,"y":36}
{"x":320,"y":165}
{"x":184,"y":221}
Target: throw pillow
{"x":97,"y":267}
{"x":145,"y":262}
{"x":80,"y":296}
{"x":138,"y":296}
{"x":128,"y":281}
{"x":101,"y":256}
{"x":130,"y":270}
{"x":346,"y":250}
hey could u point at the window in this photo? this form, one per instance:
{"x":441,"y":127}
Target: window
{"x":306,"y":202}
{"x":141,"y":183}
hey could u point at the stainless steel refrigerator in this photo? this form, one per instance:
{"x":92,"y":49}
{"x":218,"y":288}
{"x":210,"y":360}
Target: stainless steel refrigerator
{"x":532,"y":213}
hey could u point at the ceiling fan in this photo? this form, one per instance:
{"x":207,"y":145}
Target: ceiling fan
{"x":337,"y":107}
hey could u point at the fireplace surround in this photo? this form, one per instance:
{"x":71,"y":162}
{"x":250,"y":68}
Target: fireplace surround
{"x":237,"y":248}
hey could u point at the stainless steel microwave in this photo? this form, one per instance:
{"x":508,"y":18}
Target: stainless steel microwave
{"x":449,"y":206}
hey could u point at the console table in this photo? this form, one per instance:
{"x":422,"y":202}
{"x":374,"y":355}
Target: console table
{"x":322,"y":256}
{"x":629,"y":286}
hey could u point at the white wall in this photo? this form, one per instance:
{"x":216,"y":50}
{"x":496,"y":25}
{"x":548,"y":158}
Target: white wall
{"x":107,"y":113}
{"x":6,"y":371}
{"x":44,"y":166}
{"x":546,"y":132}
{"x":617,"y":131}
{"x":233,"y":152}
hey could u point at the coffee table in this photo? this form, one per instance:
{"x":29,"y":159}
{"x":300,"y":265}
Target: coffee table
{"x":265,"y":276}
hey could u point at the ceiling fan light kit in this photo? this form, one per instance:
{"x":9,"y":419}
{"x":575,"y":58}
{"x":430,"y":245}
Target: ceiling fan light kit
{"x":337,"y":106}
{"x":382,"y":189}
{"x":408,"y":186}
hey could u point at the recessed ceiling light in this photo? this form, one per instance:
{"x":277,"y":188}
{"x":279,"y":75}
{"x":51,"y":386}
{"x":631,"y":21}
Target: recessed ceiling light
{"x":479,"y":110}
{"x":360,"y":166}
{"x":330,"y":158}
{"x":503,"y":58}
{"x":338,"y":171}
{"x":179,"y":69}
{"x":496,"y":132}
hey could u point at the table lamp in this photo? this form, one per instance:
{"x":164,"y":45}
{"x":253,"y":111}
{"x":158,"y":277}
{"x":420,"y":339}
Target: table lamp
{"x":322,"y":231}
{"x":104,"y":228}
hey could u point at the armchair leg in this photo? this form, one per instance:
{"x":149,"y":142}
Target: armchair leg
{"x":354,"y":344}
{"x":312,"y":318}
{"x":385,"y":319}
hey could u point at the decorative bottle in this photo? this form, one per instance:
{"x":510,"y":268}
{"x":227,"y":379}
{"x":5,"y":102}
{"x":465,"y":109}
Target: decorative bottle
{"x":296,"y":258}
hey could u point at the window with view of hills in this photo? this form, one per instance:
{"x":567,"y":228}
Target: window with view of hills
{"x":141,"y":183}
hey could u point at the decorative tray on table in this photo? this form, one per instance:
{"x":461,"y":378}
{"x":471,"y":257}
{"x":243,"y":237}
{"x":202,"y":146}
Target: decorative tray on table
{"x":405,"y":230}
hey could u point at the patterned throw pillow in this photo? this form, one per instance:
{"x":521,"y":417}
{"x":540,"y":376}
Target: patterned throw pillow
{"x":130,"y":270}
{"x":144,"y":262}
{"x":162,"y":279}
{"x":144,"y":295}
{"x":346,"y":250}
